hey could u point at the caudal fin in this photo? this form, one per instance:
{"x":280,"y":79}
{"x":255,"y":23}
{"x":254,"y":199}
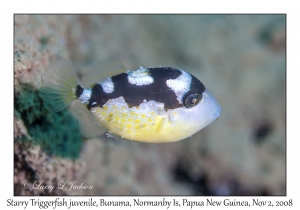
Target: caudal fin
{"x":59,"y":84}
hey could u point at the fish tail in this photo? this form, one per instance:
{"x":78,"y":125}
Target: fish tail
{"x":59,"y":84}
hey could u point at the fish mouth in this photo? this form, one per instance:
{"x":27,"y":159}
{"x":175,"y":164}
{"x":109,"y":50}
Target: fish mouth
{"x":217,"y":113}
{"x":214,"y":107}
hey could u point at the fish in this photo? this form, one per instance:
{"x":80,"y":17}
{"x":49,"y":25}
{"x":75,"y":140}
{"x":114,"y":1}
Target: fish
{"x":154,"y":105}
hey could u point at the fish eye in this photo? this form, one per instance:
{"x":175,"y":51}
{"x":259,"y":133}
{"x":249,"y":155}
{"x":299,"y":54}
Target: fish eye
{"x":192,"y":99}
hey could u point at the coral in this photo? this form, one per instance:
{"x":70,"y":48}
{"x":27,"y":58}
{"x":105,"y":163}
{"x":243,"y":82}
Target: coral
{"x":32,"y":165}
{"x":56,"y":133}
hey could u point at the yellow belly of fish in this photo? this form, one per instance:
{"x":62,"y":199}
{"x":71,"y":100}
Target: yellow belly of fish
{"x":139,"y":126}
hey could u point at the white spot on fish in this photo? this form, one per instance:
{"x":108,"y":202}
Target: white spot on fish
{"x":94,"y":103}
{"x":107,"y":85}
{"x":180,"y":85}
{"x":139,"y":77}
{"x":85,"y":96}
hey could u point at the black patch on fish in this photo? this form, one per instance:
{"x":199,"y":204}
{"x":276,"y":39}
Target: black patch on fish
{"x":135,"y":95}
{"x":196,"y":86}
{"x":79,"y":91}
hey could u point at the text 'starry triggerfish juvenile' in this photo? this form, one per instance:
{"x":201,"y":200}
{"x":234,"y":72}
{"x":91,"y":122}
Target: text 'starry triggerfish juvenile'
{"x":161,"y":104}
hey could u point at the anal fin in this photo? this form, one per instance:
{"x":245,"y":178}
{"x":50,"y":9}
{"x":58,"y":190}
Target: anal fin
{"x":88,"y":124}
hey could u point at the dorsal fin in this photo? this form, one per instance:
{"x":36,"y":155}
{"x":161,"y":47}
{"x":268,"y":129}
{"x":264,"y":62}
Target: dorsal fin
{"x":88,"y":124}
{"x":99,"y":71}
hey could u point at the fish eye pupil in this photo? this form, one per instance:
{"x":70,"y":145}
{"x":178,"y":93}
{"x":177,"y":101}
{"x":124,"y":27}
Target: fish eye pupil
{"x":192,"y":99}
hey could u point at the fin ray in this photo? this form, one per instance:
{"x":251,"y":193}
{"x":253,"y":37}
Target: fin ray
{"x":59,"y":82}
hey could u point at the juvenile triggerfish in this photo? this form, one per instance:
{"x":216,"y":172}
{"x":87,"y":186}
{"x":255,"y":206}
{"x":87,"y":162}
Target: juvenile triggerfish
{"x":157,"y":105}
